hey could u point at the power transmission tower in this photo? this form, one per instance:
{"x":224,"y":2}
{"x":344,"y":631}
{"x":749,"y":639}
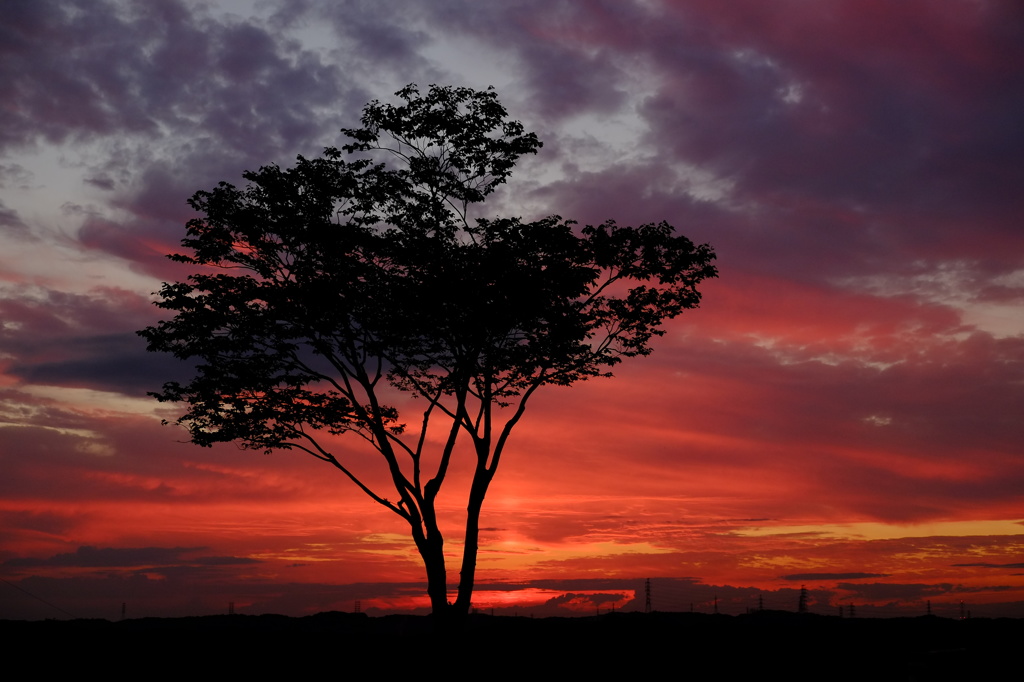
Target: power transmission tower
{"x":647,"y":596}
{"x":802,"y":605}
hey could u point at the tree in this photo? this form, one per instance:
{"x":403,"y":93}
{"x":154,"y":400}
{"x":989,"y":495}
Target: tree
{"x":325,"y":291}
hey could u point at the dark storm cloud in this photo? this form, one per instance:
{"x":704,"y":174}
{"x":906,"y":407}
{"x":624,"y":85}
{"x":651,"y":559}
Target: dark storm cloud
{"x":84,"y":340}
{"x":113,"y":363}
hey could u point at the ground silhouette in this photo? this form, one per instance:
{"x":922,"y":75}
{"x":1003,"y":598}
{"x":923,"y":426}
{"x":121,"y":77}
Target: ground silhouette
{"x":770,"y":643}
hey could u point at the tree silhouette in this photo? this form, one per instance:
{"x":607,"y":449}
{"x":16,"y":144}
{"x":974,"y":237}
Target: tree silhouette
{"x":325,"y":291}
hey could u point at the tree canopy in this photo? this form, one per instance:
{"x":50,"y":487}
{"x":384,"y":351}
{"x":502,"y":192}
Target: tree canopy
{"x":324,"y":291}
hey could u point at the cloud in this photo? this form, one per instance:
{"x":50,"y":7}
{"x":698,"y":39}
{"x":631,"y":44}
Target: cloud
{"x":113,"y":363}
{"x":161,"y":99}
{"x":987,"y":565}
{"x":14,"y":175}
{"x":131,"y":69}
{"x":53,"y":337}
{"x":861,"y":109}
{"x":125,"y":557}
{"x":587,"y":602}
{"x":367,"y":33}
{"x":11,"y":222}
{"x":913,"y":592}
{"x":798,"y":577}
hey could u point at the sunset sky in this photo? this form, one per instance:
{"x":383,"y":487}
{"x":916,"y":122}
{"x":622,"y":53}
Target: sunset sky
{"x":844,"y":412}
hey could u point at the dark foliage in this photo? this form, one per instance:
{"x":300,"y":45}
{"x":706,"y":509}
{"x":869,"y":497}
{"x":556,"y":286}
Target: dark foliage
{"x":323,"y":290}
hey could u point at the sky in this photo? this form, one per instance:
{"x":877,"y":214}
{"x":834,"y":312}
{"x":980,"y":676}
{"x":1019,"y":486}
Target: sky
{"x":843,"y":412}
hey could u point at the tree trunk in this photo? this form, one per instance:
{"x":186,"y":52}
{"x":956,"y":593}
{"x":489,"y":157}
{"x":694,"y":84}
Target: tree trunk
{"x":467,"y":576}
{"x":432,"y":551}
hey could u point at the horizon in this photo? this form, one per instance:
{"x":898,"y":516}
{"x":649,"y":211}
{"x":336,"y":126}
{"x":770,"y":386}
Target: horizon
{"x":574,"y":598}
